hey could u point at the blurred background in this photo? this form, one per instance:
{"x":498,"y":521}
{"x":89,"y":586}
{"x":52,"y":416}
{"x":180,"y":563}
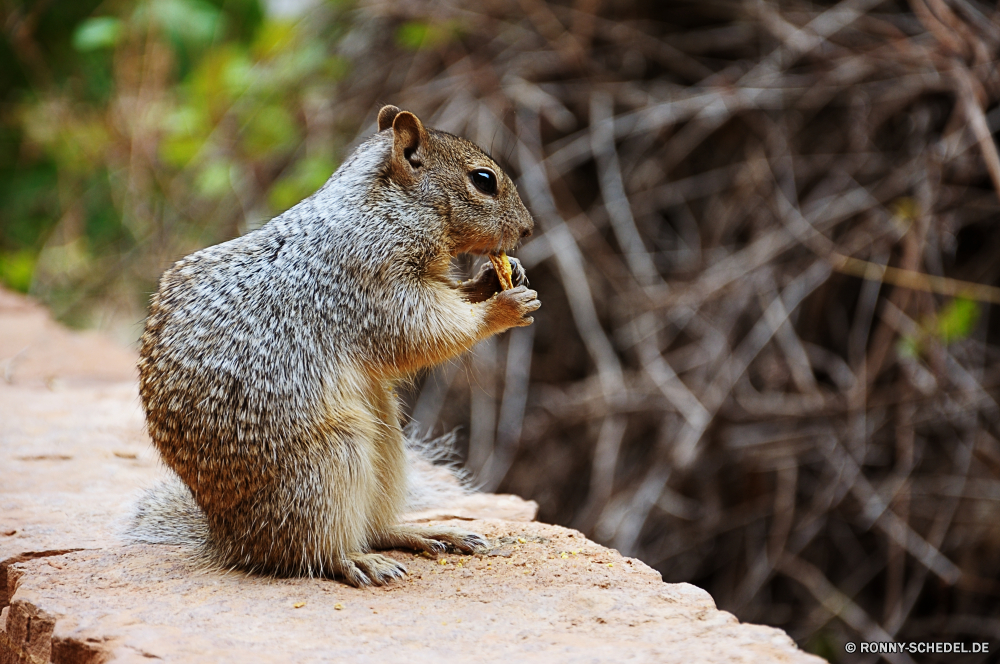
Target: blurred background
{"x":766,"y":244}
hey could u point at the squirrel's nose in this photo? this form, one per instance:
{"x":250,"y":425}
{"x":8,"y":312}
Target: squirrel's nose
{"x":525,"y":233}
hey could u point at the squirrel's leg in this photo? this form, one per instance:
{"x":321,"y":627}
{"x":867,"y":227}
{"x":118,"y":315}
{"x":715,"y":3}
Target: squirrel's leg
{"x":351,"y":494}
{"x":432,"y":539}
{"x":446,"y":325}
{"x":390,"y":466}
{"x":386,"y":532}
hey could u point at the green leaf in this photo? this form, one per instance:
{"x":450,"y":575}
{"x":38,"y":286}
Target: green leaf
{"x":177,"y":152}
{"x":908,"y":346}
{"x":273,"y":37}
{"x":416,"y":35}
{"x":191,"y":21}
{"x":17,"y":269}
{"x":411,"y":35}
{"x":825,"y":644}
{"x":336,"y":67}
{"x":306,"y":177}
{"x":270,"y":132}
{"x":957,"y":320}
{"x":222,"y":74}
{"x":186,"y":121}
{"x":186,"y":129}
{"x":906,"y":208}
{"x":214,"y":181}
{"x":97,"y":33}
{"x":237,"y":74}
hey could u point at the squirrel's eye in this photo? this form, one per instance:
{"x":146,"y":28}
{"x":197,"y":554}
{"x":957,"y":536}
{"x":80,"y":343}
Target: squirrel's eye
{"x":485,"y":181}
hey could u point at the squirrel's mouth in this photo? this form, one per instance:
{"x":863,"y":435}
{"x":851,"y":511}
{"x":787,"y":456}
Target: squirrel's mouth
{"x":506,"y":243}
{"x":488,"y":250}
{"x":508,"y":235}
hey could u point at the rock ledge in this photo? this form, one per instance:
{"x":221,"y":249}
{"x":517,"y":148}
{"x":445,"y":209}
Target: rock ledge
{"x":73,"y":458}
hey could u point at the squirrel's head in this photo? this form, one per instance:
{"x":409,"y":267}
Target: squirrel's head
{"x":476,"y":199}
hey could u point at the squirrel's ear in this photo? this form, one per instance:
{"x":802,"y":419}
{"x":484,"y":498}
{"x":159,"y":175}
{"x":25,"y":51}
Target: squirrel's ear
{"x":408,"y":139}
{"x":385,"y":117}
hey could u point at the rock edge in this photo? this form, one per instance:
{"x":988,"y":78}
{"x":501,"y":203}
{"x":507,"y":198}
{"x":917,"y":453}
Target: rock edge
{"x":74,"y":456}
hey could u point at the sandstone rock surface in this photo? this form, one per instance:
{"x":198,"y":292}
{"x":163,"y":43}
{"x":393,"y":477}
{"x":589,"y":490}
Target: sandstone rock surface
{"x":73,"y":457}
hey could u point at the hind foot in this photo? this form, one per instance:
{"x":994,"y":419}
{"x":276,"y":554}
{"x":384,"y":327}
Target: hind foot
{"x":432,"y":539}
{"x":369,"y":569}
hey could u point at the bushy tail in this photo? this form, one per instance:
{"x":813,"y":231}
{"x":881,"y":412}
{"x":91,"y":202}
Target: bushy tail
{"x":168,"y":514}
{"x":436,"y":476}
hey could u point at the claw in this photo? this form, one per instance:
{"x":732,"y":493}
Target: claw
{"x":475,"y":542}
{"x":355,"y":576}
{"x":434,"y":540}
{"x":367,"y":569}
{"x":517,"y":273}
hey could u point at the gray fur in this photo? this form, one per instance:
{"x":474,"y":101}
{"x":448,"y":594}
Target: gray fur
{"x":268,"y":362}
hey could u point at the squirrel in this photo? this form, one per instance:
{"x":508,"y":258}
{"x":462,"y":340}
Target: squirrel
{"x":268,"y":363}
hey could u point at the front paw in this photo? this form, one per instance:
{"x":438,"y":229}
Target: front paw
{"x":512,"y":307}
{"x":517,"y":274}
{"x":486,"y":283}
{"x":483,"y":286}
